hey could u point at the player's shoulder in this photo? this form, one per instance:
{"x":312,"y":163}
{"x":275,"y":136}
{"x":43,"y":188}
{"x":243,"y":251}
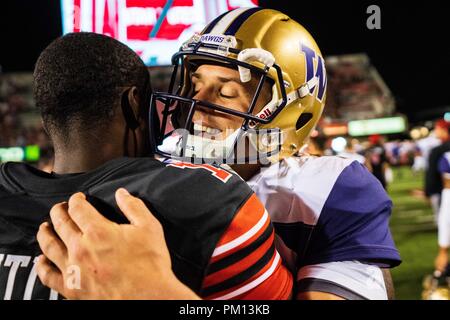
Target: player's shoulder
{"x":3,"y":184}
{"x":199,"y":185}
{"x":172,"y":172}
{"x":8,"y":180}
{"x":321,"y":165}
{"x":213,"y":176}
{"x":322,"y":177}
{"x":3,"y":191}
{"x":304,"y":171}
{"x":304,"y":182}
{"x":349,"y":176}
{"x":355,"y":190}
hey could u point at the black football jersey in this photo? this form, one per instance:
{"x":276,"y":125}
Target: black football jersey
{"x":194,"y":203}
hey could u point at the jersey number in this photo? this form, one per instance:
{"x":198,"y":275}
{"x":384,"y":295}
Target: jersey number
{"x":218,"y":173}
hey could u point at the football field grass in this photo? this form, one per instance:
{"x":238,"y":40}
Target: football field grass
{"x":414,"y":233}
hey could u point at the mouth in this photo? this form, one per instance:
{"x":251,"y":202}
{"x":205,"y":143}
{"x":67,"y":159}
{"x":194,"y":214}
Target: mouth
{"x":206,"y":131}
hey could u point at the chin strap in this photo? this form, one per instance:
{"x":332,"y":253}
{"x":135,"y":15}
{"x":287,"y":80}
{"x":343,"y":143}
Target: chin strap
{"x":199,"y":147}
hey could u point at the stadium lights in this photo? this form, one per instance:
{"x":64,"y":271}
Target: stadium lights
{"x":415,"y":134}
{"x":338,"y":144}
{"x":447,"y":116}
{"x":377,"y":126}
{"x":419,"y":132}
{"x":424,"y":131}
{"x":28,"y":153}
{"x":335,"y":129}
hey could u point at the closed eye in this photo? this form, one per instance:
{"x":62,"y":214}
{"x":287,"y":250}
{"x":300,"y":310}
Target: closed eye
{"x":227,"y":96}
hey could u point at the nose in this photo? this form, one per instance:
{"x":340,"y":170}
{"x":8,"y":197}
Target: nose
{"x":204,"y":94}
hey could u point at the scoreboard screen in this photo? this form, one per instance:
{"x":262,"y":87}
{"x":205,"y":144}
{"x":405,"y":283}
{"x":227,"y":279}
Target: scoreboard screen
{"x":154,"y":29}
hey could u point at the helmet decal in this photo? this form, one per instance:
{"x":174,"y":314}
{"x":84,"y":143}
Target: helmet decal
{"x":317,"y":77}
{"x":237,"y":23}
{"x":229,"y":22}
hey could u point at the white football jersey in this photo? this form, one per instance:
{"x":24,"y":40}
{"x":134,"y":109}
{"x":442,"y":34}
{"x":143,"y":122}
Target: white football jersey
{"x":330,"y":214}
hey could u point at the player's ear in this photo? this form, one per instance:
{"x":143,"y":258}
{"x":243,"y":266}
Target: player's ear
{"x":130,"y":109}
{"x":134,"y":101}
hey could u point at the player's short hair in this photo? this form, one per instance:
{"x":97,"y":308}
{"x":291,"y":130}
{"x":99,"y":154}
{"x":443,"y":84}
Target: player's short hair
{"x":78,"y":80}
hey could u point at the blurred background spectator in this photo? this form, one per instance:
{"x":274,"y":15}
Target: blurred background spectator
{"x":351,"y":152}
{"x":376,"y":159}
{"x":433,"y":179}
{"x":20,"y":123}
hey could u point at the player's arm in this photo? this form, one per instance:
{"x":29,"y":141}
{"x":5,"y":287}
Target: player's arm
{"x":351,"y":243}
{"x":344,"y":280}
{"x":245,"y":263}
{"x":322,"y":295}
{"x":389,"y":283}
{"x":338,"y":295}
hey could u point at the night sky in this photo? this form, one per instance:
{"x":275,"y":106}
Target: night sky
{"x":411,"y":51}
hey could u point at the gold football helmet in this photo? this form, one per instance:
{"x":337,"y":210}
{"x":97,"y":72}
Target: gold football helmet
{"x":260,"y":43}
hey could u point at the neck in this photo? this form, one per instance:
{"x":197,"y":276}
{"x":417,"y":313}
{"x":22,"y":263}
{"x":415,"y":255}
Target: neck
{"x":83,"y":158}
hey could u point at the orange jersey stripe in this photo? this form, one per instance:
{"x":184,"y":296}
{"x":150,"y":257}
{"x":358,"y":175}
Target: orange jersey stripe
{"x":247,"y":281}
{"x":249,"y":214}
{"x":263,"y":228}
{"x":277,"y":286}
{"x":251,"y":220}
{"x":245,"y":263}
{"x":240,"y":265}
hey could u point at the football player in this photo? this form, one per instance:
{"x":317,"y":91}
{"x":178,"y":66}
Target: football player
{"x":437,"y":285}
{"x":252,"y":86}
{"x":93,"y":93}
{"x":442,"y":261}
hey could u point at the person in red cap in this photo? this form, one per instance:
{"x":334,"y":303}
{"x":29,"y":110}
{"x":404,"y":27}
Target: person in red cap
{"x":433,"y":179}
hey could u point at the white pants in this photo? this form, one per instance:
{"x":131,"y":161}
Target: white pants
{"x":435,"y":200}
{"x":444,"y":220}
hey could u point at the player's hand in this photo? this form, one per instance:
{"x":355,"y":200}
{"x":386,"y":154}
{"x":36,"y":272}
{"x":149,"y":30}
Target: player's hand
{"x":87,"y":256}
{"x":441,"y":261}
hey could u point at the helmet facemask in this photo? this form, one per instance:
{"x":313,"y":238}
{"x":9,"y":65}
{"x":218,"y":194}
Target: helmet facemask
{"x":177,"y":136}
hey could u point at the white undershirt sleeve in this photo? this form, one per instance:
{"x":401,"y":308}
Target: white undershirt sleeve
{"x":347,"y":279}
